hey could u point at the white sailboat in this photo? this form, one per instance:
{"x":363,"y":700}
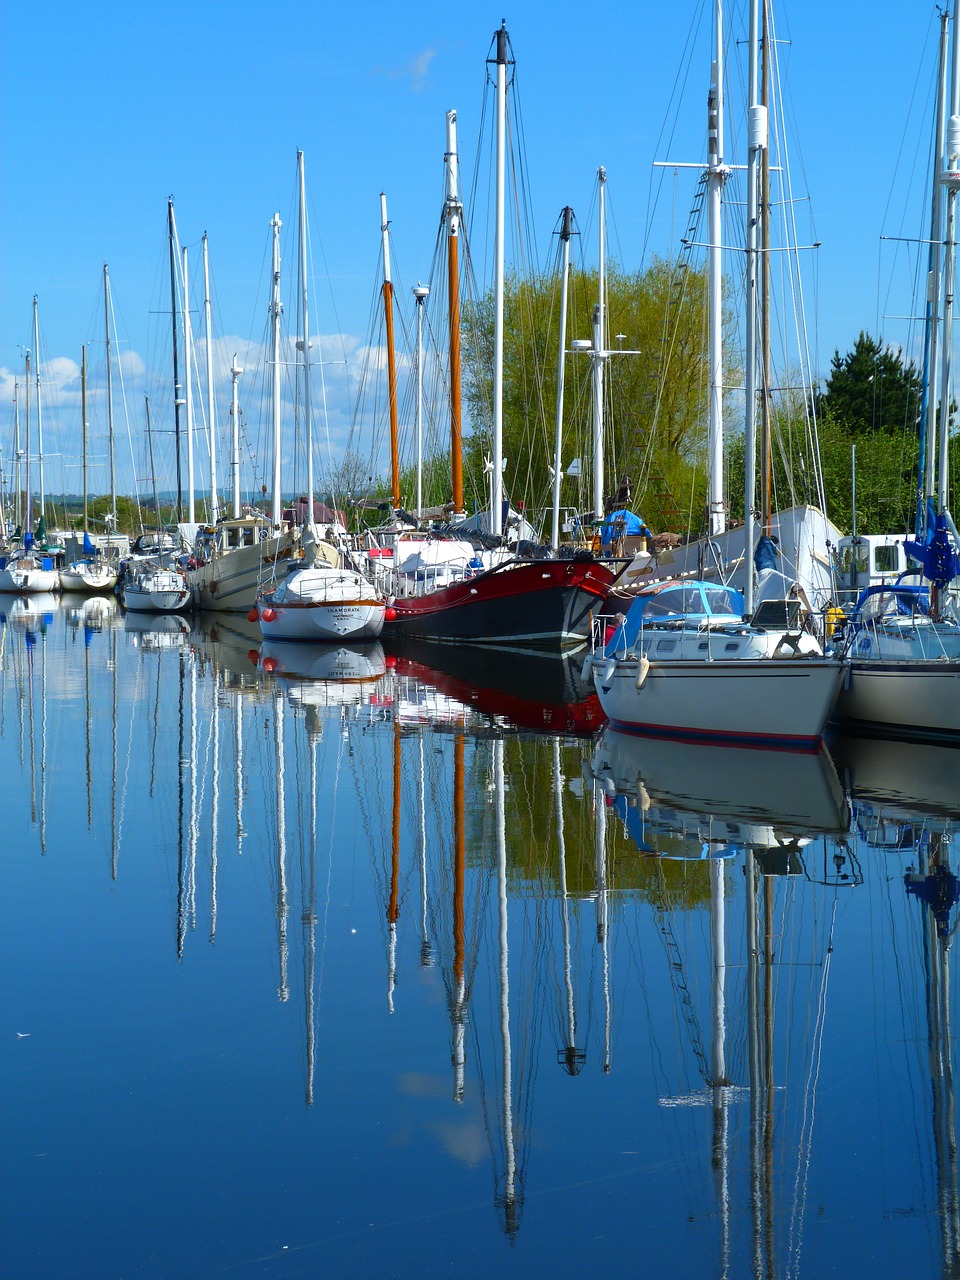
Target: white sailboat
{"x":30,"y":569}
{"x":319,"y":600}
{"x":905,"y":635}
{"x":233,"y":555}
{"x":695,"y":659}
{"x":91,"y":572}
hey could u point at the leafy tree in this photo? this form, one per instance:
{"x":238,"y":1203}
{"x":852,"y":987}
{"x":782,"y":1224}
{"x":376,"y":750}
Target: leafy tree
{"x":655,"y":401}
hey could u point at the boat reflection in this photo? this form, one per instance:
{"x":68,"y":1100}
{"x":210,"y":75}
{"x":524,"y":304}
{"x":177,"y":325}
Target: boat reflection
{"x":912,"y":777}
{"x":543,"y":692}
{"x":701,"y":801}
{"x":157,"y":632}
{"x":92,"y":613}
{"x":28,"y":611}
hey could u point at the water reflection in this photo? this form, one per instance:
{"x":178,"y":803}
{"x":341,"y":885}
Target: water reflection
{"x":410,"y":894}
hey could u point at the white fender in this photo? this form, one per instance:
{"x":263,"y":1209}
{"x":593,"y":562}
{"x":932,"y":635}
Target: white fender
{"x":643,"y":666}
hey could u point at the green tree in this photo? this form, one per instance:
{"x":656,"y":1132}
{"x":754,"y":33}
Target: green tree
{"x":872,"y":388}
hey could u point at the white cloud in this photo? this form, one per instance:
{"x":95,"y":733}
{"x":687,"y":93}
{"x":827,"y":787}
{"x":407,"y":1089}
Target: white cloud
{"x":415,"y":69}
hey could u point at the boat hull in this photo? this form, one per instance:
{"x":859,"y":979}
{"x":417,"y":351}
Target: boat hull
{"x":914,"y":698}
{"x":773,"y":702}
{"x":544,"y":603}
{"x":28,"y":581}
{"x":88,"y":578}
{"x":161,"y":592}
{"x":230,"y":583}
{"x":318,"y":621}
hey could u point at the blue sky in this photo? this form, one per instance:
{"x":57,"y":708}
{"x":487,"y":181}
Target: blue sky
{"x":108,"y":109}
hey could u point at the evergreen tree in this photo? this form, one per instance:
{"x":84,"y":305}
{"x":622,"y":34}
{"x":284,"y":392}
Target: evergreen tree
{"x":872,"y":388}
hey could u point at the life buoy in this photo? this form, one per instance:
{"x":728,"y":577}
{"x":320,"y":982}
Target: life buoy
{"x":262,"y":535}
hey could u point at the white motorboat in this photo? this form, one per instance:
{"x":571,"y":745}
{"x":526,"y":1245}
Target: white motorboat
{"x":156,"y":590}
{"x":320,"y":602}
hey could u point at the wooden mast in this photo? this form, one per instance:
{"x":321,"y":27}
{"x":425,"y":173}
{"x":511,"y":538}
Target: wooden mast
{"x":453,"y":211}
{"x":391,"y":355}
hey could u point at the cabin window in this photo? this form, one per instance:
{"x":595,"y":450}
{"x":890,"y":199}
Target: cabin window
{"x":886,"y":559}
{"x":666,"y":646}
{"x":719,"y":600}
{"x":853,"y":559}
{"x":731,"y":646}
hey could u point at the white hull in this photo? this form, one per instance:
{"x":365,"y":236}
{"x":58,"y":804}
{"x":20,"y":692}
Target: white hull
{"x":87,"y":577}
{"x":27,"y":579}
{"x":162,"y":592}
{"x":913,"y":697}
{"x":321,"y":603}
{"x":765,"y":701}
{"x":231,"y":582}
{"x":327,"y":620}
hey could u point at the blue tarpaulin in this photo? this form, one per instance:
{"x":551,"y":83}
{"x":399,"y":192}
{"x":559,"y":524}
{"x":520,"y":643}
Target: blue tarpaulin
{"x":610,"y":529}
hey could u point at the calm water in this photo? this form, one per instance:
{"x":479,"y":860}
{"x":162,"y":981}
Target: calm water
{"x":339,"y":964}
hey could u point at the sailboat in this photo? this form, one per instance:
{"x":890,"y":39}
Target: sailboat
{"x":319,"y":599}
{"x":904,"y":636}
{"x":697,"y":659}
{"x":91,"y":572}
{"x":443,"y":590}
{"x":30,"y":568}
{"x":232,"y":556}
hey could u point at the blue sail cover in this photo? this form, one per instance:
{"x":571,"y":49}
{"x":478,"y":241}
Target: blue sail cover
{"x":87,"y":545}
{"x":935,"y":555}
{"x":632,"y":525}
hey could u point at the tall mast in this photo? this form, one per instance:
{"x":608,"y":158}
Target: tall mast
{"x":211,"y":408}
{"x":391,"y":354}
{"x":153,"y":469}
{"x":174,"y":309}
{"x":599,"y":351}
{"x":421,"y":292}
{"x":36,"y":345}
{"x":275,"y":312}
{"x":83,"y":428}
{"x":716,"y":176}
{"x":766,"y":455}
{"x":28,"y":494}
{"x":496,"y":485}
{"x":452,"y":212}
{"x":756,"y":142}
{"x":113,"y":481}
{"x":926,"y":484}
{"x":17,"y":456}
{"x":235,"y":372}
{"x":951,"y":180}
{"x":305,"y":334}
{"x":566,"y":229}
{"x":188,"y":374}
